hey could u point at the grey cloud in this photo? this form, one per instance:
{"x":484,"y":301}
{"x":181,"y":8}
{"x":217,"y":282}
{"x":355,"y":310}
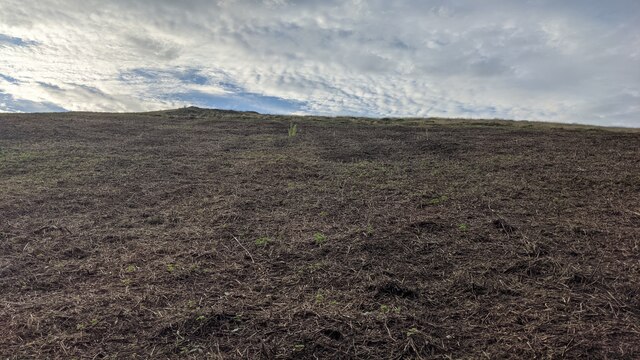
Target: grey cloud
{"x":148,"y":46}
{"x":488,"y":67}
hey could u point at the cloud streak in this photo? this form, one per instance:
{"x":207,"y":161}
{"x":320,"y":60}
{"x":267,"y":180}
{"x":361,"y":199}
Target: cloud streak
{"x":571,"y":61}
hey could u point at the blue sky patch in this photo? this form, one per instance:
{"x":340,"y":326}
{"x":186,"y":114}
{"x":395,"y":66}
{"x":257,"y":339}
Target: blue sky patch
{"x":10,"y":104}
{"x":9,"y":78}
{"x":237,"y":99}
{"x":187,"y":76}
{"x":15,"y":41}
{"x":242,"y":102}
{"x":49,"y":86}
{"x":193,"y":76}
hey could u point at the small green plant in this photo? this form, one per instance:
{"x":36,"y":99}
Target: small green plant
{"x":310,"y":268}
{"x":369,"y":230}
{"x":298,"y":347}
{"x":194,"y":268}
{"x":439,"y":200}
{"x":319,"y":238}
{"x":131,"y":268}
{"x":155,"y":220}
{"x":191,"y":349}
{"x":262,"y":241}
{"x":386,"y":309}
{"x":26,"y":156}
{"x":293,"y":130}
{"x":171,"y":267}
{"x":82,"y":326}
{"x":463,"y":227}
{"x":201,"y":318}
{"x":319,"y":297}
{"x":412,"y":331}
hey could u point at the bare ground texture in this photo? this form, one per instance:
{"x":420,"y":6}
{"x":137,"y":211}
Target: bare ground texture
{"x":213,"y":234}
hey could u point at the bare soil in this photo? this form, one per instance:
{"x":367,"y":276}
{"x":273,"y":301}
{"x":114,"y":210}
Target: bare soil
{"x":213,"y":234}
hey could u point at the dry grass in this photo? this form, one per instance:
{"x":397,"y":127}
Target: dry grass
{"x":195,"y":233}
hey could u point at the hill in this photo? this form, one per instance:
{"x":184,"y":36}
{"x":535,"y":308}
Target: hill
{"x":207,"y":233}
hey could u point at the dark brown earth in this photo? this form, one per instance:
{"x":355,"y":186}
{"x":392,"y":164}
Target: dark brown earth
{"x":211,"y":234}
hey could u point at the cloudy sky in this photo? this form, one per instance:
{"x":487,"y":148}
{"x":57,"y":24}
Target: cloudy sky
{"x":568,"y":61}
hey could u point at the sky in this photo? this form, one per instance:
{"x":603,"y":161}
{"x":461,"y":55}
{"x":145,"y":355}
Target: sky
{"x":549,"y":60}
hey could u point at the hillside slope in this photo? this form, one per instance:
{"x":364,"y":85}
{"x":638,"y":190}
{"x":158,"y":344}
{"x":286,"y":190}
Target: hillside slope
{"x":215,"y":234}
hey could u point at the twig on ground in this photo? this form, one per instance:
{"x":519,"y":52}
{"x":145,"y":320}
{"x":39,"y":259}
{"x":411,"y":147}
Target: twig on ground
{"x":245,"y":249}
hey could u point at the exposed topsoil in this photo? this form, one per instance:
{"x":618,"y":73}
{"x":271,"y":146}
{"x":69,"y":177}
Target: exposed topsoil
{"x":212,"y":234}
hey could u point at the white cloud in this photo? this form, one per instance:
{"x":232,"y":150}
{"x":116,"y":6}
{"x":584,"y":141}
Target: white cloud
{"x":572,"y":61}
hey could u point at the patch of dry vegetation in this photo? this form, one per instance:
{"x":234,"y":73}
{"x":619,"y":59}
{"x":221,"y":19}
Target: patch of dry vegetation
{"x":217,"y":234}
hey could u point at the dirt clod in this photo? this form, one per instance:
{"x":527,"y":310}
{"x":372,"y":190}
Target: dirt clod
{"x":395,"y":289}
{"x":503,"y":226}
